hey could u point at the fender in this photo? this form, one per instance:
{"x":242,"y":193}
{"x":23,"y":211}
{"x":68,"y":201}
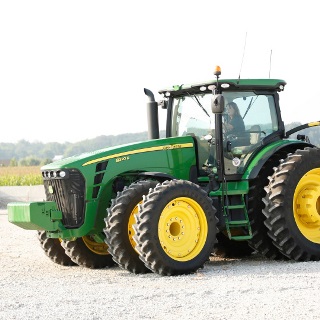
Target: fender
{"x":264,"y":154}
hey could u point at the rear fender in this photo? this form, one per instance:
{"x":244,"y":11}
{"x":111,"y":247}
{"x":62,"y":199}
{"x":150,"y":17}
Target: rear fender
{"x":267,"y":152}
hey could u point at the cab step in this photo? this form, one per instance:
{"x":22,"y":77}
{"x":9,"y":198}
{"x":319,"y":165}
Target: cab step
{"x":244,"y":223}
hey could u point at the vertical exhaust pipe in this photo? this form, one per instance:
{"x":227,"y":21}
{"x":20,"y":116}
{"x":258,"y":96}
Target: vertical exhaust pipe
{"x":152,"y":116}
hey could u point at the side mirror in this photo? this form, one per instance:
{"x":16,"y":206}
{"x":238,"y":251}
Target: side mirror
{"x":217,"y":103}
{"x":163,"y":104}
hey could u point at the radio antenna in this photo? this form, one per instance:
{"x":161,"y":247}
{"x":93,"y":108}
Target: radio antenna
{"x":244,"y":49}
{"x":270,"y":63}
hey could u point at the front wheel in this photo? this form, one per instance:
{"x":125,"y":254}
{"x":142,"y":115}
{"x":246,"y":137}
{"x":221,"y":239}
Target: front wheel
{"x":86,"y":252}
{"x":293,"y":205}
{"x":175,"y":228}
{"x":119,"y":232}
{"x":53,"y":249}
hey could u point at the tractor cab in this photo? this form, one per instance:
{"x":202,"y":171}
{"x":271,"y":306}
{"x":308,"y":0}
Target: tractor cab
{"x":229,"y":120}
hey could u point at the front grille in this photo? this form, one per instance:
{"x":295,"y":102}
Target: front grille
{"x":68,"y":192}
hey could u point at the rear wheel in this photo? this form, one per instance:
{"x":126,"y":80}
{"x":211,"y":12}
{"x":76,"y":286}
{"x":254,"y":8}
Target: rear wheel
{"x":119,"y":232}
{"x":175,"y":228}
{"x":293,"y":205}
{"x":53,"y":249}
{"x":260,"y":240}
{"x":86,"y":252}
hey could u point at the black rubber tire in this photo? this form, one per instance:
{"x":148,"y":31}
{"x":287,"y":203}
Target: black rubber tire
{"x":227,"y":248}
{"x":280,"y":209}
{"x":53,"y":249}
{"x":161,"y":203}
{"x":118,"y":236}
{"x":260,"y":241}
{"x":79,"y":253}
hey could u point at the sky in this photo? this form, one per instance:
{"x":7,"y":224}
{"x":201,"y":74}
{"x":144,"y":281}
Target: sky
{"x":74,"y":70}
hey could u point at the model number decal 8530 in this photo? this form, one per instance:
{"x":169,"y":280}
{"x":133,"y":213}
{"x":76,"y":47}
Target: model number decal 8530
{"x":122,"y":159}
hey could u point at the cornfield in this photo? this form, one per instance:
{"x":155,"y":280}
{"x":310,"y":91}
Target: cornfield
{"x":20,"y":176}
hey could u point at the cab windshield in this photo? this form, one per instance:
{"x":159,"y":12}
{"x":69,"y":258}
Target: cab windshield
{"x":248,"y":118}
{"x":192,"y":115}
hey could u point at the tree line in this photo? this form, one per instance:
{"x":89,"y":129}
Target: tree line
{"x":25,"y":153}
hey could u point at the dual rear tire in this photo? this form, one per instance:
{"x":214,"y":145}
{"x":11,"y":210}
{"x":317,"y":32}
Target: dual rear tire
{"x":292,"y":206}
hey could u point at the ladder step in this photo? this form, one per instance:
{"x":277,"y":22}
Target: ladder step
{"x":238,"y":223}
{"x":236,"y":206}
{"x":247,"y":237}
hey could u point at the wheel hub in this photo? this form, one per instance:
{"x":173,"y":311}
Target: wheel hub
{"x":131,"y":222}
{"x":182,"y":229}
{"x":306,"y":205}
{"x":96,"y":247}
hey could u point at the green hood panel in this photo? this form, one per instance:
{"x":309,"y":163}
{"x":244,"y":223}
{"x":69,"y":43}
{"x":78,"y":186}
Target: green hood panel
{"x":90,"y":158}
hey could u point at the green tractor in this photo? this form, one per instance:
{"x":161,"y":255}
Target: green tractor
{"x":226,"y":170}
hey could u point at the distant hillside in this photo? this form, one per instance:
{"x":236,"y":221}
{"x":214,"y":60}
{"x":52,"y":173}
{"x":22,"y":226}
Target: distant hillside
{"x":25,"y":149}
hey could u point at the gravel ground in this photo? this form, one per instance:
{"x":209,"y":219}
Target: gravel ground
{"x":33,"y":287}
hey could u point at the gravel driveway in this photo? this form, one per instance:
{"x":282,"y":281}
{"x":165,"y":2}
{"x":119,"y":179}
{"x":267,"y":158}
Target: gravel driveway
{"x":33,"y":287}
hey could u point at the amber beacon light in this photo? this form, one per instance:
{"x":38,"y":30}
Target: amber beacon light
{"x":217,"y":71}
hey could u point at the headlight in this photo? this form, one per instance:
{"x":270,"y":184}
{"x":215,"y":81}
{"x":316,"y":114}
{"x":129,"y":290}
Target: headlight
{"x":55,"y":174}
{"x":61,"y":174}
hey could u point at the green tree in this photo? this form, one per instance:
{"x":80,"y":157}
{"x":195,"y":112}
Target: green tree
{"x":13,"y":163}
{"x":29,"y":161}
{"x":45,"y":161}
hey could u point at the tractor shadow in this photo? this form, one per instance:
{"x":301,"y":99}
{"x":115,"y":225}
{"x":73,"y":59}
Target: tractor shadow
{"x":253,"y":264}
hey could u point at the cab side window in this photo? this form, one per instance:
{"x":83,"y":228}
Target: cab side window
{"x":258,"y":113}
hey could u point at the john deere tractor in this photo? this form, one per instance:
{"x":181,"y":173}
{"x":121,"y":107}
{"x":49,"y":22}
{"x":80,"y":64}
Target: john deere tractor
{"x":161,"y":204}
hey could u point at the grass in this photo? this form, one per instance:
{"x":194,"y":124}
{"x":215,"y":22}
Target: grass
{"x":20,"y":176}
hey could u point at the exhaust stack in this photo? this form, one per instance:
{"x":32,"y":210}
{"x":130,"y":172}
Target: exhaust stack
{"x":152,"y":116}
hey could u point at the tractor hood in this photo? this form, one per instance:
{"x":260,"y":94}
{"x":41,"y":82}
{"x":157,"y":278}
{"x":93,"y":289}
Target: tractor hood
{"x":118,"y":152}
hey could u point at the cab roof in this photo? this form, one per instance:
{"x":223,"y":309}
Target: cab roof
{"x":227,"y":85}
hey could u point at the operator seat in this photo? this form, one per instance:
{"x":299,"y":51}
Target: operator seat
{"x":255,"y":138}
{"x":255,"y":134}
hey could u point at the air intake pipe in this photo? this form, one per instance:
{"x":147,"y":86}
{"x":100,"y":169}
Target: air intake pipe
{"x":152,"y":115}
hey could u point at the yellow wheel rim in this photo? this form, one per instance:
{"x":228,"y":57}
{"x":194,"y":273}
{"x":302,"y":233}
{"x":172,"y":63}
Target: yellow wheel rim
{"x":96,"y":247}
{"x":306,"y":205}
{"x":132,"y":221}
{"x":182,"y":229}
